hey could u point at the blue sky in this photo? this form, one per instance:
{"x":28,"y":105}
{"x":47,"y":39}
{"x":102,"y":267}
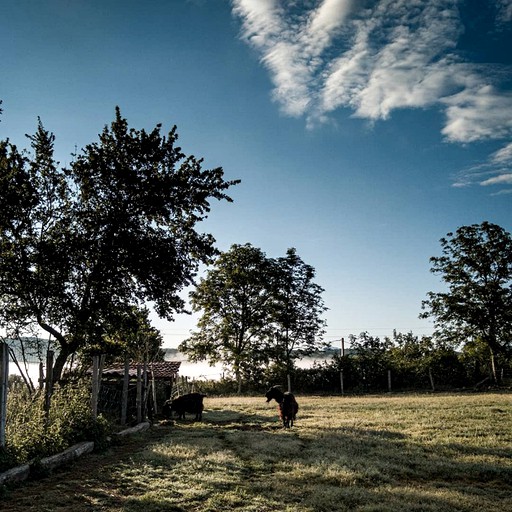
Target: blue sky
{"x":362,"y":131}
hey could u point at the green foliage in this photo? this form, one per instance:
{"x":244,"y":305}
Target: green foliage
{"x":32,"y":434}
{"x":256,"y":311}
{"x":82,"y":246}
{"x":476,"y":265}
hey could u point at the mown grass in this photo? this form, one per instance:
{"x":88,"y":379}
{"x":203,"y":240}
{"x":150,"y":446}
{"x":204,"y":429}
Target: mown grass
{"x":428,"y":453}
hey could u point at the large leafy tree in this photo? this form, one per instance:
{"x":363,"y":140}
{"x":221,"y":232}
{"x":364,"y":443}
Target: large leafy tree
{"x":297,"y":310}
{"x":476,"y":265}
{"x":256,"y":310}
{"x":81,"y":246}
{"x":235,"y":302}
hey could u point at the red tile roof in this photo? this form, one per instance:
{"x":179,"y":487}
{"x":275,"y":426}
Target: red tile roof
{"x":161,"y":370}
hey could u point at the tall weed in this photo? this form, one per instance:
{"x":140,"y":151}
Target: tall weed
{"x":32,"y":434}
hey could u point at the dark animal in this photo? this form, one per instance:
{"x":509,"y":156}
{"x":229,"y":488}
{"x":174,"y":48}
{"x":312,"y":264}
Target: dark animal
{"x":288,"y":406}
{"x":191,"y":403}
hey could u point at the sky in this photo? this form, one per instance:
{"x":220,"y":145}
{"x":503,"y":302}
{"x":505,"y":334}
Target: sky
{"x":362,"y":131}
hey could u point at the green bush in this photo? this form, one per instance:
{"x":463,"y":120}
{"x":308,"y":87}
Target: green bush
{"x":32,"y":434}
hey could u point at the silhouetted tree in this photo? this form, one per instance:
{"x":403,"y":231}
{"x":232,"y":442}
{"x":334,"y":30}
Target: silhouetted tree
{"x":256,"y":310}
{"x":297,"y":310}
{"x":476,"y":265}
{"x":83,"y":245}
{"x":235,"y":301}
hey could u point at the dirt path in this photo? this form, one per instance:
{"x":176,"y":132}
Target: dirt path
{"x":84,"y":485}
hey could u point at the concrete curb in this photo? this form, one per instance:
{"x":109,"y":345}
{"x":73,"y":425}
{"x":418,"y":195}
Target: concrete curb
{"x":17,"y":474}
{"x":68,"y":455}
{"x":21,"y":473}
{"x":133,"y":430}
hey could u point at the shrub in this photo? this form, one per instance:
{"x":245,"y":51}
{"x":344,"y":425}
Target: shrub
{"x":32,"y":434}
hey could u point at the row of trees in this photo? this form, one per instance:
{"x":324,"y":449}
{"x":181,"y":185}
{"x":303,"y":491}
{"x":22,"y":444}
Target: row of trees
{"x":84,"y":248}
{"x":260,"y":314}
{"x":402,"y":362}
{"x":256,"y":311}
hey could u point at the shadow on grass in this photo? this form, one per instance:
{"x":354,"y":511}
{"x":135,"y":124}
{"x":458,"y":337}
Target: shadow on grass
{"x":242,"y":461}
{"x":345,"y":468}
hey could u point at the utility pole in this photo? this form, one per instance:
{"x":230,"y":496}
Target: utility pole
{"x":341,"y":370}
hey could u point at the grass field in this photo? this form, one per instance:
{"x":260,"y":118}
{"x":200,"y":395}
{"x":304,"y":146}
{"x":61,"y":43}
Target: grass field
{"x":435,"y":453}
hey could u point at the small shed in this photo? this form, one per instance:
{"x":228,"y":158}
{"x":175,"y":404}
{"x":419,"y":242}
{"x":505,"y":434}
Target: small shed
{"x":160,"y":378}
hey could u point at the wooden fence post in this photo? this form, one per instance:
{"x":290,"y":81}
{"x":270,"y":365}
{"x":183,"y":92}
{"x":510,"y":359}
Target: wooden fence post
{"x":431,"y":377}
{"x":139,"y":393}
{"x":389,"y":381}
{"x":4,"y":381}
{"x":145,"y":391}
{"x":126,"y":383}
{"x":342,"y":383}
{"x":95,"y":387}
{"x":153,"y":389}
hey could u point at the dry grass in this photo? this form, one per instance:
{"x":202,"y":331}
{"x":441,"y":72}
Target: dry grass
{"x":436,"y":453}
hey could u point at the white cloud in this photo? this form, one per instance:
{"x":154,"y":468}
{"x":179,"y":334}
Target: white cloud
{"x":502,"y":179}
{"x":502,"y":192}
{"x":504,"y":8}
{"x":374,"y":58}
{"x":496,"y":171}
{"x":504,"y":155}
{"x":477,"y":113}
{"x":291,"y":47}
{"x":397,"y":60}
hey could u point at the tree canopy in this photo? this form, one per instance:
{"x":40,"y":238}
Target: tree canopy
{"x":255,"y":310}
{"x":476,"y":265}
{"x":80,"y":246}
{"x":298,"y":309}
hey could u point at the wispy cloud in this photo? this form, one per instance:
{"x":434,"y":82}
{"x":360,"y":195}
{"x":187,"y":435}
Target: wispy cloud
{"x":504,"y":155}
{"x":504,"y":8}
{"x":376,"y":57}
{"x":292,"y":45}
{"x":497,"y":171}
{"x":502,"y":179}
{"x":397,"y":59}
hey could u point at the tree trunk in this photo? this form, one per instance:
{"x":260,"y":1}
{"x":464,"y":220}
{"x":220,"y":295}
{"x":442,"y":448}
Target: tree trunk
{"x":239,"y":381}
{"x":60,"y":362}
{"x":493,"y":367}
{"x":65,"y":349}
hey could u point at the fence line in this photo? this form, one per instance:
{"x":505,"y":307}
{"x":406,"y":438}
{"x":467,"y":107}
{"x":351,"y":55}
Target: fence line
{"x":46,"y":384}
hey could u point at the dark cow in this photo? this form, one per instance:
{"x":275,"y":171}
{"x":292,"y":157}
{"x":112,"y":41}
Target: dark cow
{"x":191,"y":403}
{"x":288,"y":406}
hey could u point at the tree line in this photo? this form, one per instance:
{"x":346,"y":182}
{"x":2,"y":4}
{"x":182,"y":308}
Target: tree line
{"x":86,"y":247}
{"x":259,"y":316}
{"x":402,"y":362}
